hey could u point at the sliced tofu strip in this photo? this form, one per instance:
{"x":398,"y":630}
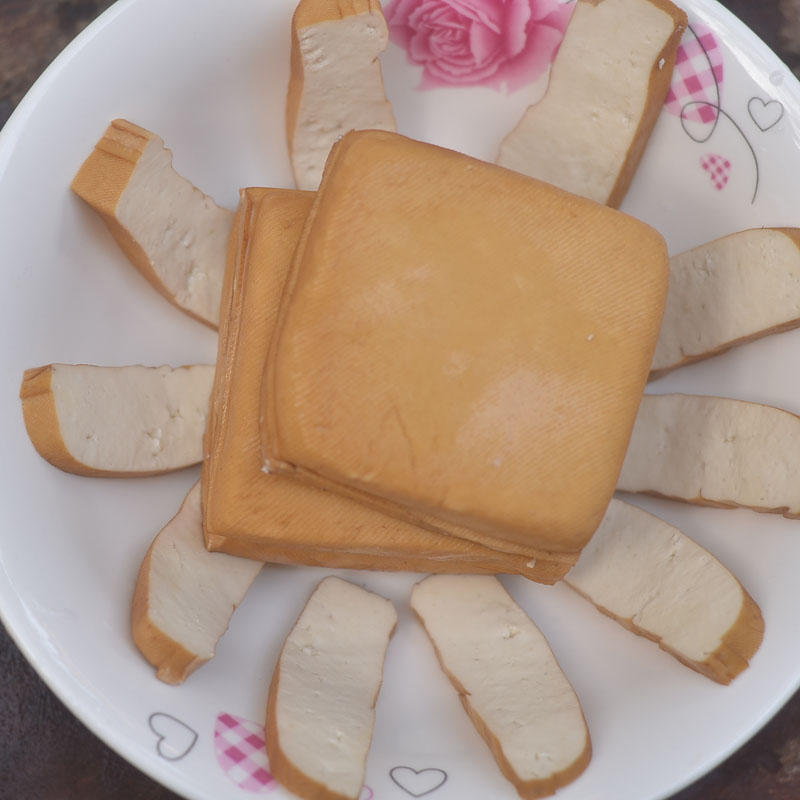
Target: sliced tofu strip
{"x":607,"y":86}
{"x":729,"y":292}
{"x":186,"y":596}
{"x":657,"y":582}
{"x":175,"y":235}
{"x":117,"y":421}
{"x":321,"y":706}
{"x":716,"y":452}
{"x":336,"y":83}
{"x":507,"y":679}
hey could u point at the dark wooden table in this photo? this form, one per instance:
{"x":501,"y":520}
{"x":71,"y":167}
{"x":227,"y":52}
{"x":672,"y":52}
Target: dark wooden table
{"x":74,"y":765}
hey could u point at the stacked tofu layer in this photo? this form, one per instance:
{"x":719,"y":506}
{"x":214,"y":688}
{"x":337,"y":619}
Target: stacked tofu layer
{"x":457,"y":348}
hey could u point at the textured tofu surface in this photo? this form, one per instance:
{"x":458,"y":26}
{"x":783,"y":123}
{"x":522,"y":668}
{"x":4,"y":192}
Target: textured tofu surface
{"x":715,"y":451}
{"x":185,"y":596}
{"x":728,"y":292}
{"x":656,"y":581}
{"x":171,"y":231}
{"x":462,"y":341}
{"x":335,"y":84}
{"x":272,"y":517}
{"x":607,"y":86}
{"x":321,"y":708}
{"x":507,"y":678}
{"x":117,"y":420}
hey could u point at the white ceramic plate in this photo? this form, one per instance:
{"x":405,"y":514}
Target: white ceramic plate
{"x":210,"y":78}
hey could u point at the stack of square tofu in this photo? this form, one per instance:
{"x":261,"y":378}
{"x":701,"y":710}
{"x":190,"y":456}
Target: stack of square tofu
{"x":432,"y":364}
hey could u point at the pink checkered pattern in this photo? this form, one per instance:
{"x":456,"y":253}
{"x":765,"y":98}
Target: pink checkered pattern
{"x":697,"y":75}
{"x":718,"y":169}
{"x":241,"y":752}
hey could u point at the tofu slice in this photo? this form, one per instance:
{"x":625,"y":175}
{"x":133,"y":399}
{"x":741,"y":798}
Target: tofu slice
{"x":175,"y":235}
{"x":607,"y":86}
{"x":729,"y":292}
{"x":117,"y":421}
{"x":271,"y":517}
{"x":185,"y":596}
{"x":335,"y":83}
{"x":478,"y":366}
{"x":658,"y":583}
{"x":321,"y":705}
{"x":716,"y":452}
{"x":507,"y":679}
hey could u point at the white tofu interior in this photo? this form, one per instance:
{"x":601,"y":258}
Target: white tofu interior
{"x":183,"y":231}
{"x":642,"y":569}
{"x":508,"y":673}
{"x":729,"y":289}
{"x":578,"y":136}
{"x":732,"y":452}
{"x":331,"y":669}
{"x":342,"y":89}
{"x":133,"y":418}
{"x":193,"y":593}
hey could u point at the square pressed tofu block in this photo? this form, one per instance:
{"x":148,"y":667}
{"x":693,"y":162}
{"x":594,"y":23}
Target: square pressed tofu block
{"x":461,"y":341}
{"x":272,"y":517}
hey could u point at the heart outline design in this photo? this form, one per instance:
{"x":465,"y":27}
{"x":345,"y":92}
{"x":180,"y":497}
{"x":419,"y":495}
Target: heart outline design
{"x":152,"y":721}
{"x":417,"y":772}
{"x":761,"y":116}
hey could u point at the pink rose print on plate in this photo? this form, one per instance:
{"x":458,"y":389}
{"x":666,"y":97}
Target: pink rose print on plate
{"x":502,"y":44}
{"x":696,"y":90}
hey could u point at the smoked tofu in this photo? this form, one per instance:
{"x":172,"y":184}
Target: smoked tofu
{"x":657,"y":582}
{"x":173,"y":233}
{"x":117,"y":422}
{"x":271,"y":517}
{"x":729,"y":292}
{"x":321,"y":704}
{"x":185,"y":596}
{"x":462,"y":345}
{"x":335,"y":83}
{"x":607,"y":86}
{"x":715,"y":451}
{"x":507,"y":679}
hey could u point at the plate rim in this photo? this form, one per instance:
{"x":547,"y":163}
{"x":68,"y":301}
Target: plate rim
{"x":14,"y":615}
